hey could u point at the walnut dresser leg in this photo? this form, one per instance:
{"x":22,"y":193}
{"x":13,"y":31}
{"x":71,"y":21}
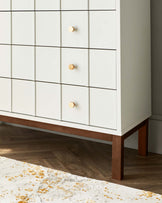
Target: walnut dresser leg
{"x":118,"y":157}
{"x":143,"y":140}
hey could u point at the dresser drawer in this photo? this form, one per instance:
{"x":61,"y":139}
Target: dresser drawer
{"x":23,"y":28}
{"x":103,"y":32}
{"x":5,"y":92}
{"x":5,"y":25}
{"x":22,"y":4}
{"x":103,"y":68}
{"x":5,"y":62}
{"x":102,"y":4}
{"x":75,"y":66}
{"x":75,"y":28}
{"x":4,"y":5}
{"x":23,"y":62}
{"x":48,"y":28}
{"x":75,"y":104}
{"x":47,"y":4}
{"x":103,"y":108}
{"x":74,"y":5}
{"x":23,"y":97}
{"x":48,"y":100}
{"x":48,"y":64}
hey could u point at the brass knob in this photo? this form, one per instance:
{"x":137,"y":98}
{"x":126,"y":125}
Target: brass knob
{"x":71,"y":67}
{"x":71,"y":29}
{"x":72,"y":105}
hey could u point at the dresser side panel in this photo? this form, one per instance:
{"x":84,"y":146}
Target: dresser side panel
{"x":135,"y":62}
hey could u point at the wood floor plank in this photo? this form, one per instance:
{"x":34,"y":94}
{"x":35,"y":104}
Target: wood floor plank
{"x":79,"y":157}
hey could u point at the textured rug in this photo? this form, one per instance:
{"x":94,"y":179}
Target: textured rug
{"x":21,"y":182}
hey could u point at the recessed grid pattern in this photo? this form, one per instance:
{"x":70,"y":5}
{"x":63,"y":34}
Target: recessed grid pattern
{"x":39,"y":46}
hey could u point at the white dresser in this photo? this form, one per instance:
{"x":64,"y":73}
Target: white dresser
{"x":78,"y":64}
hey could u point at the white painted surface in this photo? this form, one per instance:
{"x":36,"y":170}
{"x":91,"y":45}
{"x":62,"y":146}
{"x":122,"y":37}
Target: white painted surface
{"x":4,"y":4}
{"x":135,"y":62}
{"x":5,"y":25}
{"x":48,"y":28}
{"x":5,"y":92}
{"x":79,"y":58}
{"x":23,"y":97}
{"x":103,"y":69}
{"x":47,"y":4}
{"x":78,"y":95}
{"x":103,"y":111}
{"x":122,"y":30}
{"x":79,"y":20}
{"x":23,"y":4}
{"x":74,"y":5}
{"x":48,"y":64}
{"x":103,"y":29}
{"x":23,"y":62}
{"x":118,"y":63}
{"x":102,"y":4}
{"x":5,"y":60}
{"x":48,"y":103}
{"x":23,"y":28}
{"x":62,"y":123}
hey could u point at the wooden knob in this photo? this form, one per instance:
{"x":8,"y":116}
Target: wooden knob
{"x":71,"y":67}
{"x":71,"y":104}
{"x":71,"y":29}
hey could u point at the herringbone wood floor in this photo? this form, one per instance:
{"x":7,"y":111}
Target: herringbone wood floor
{"x":79,"y":157}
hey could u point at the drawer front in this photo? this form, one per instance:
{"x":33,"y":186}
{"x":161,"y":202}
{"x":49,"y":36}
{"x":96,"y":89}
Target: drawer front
{"x":23,"y":97}
{"x":103,"y":29}
{"x":5,"y":92}
{"x":103,"y":68}
{"x":23,"y":4}
{"x":48,"y":100}
{"x":75,"y":29}
{"x":102,"y":4}
{"x":48,"y":28}
{"x":4,"y":5}
{"x":5,"y":25}
{"x":23,"y":28}
{"x":5,"y":62}
{"x":103,"y":108}
{"x":23,"y":62}
{"x":75,"y":104}
{"x":47,"y":4}
{"x":74,"y":5}
{"x":48,"y":64}
{"x":75,"y":66}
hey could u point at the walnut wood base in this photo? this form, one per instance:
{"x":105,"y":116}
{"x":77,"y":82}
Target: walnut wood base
{"x":117,"y":141}
{"x":118,"y":149}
